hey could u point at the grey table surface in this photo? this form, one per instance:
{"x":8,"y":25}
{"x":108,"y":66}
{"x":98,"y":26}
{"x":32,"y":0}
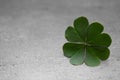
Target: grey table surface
{"x":32,"y":36}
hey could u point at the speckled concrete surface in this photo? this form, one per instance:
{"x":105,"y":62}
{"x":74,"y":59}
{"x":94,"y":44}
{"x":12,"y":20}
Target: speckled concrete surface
{"x":32,"y":35}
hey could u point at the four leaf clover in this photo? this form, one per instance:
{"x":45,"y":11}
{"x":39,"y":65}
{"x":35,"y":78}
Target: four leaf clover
{"x":86,"y":43}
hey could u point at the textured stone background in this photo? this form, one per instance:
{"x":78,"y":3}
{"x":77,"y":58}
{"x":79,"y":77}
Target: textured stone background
{"x":32,"y":35}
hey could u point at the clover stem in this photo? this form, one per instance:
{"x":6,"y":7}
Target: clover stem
{"x":87,"y":44}
{"x":84,"y":43}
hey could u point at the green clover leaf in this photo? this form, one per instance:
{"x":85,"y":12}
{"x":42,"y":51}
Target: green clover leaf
{"x":87,"y":44}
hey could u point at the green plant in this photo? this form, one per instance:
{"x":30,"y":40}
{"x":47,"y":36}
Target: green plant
{"x":87,"y":44}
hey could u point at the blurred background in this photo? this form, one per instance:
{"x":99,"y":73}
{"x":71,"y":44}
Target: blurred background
{"x":32,"y":36}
